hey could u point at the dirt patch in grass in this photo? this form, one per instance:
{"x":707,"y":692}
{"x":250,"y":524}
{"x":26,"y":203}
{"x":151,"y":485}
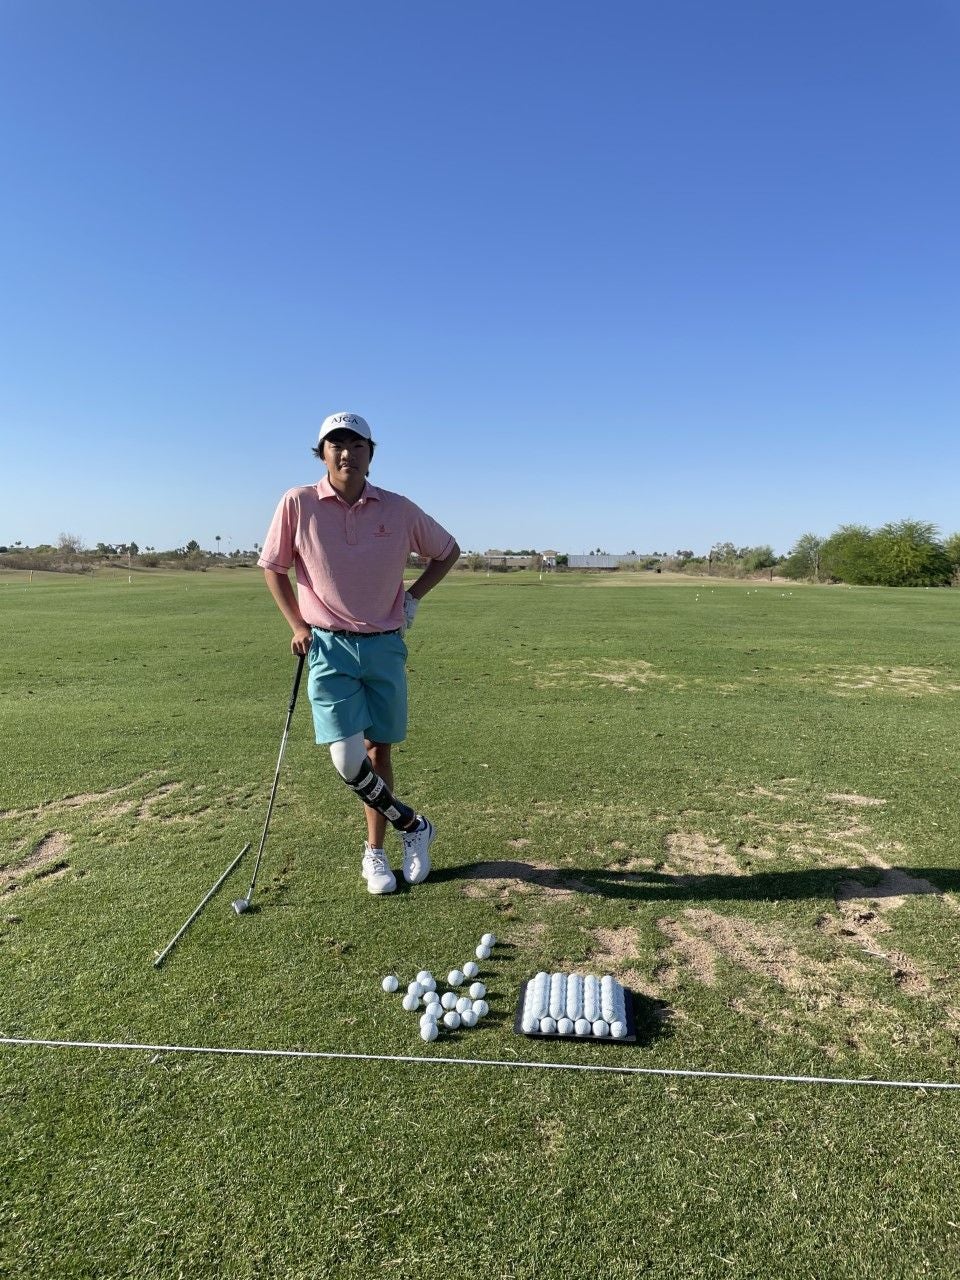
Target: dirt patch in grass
{"x":87,"y":799}
{"x":861,"y":921}
{"x":47,"y":858}
{"x":908,"y":682}
{"x":615,"y":951}
{"x":148,"y":805}
{"x":692,"y":855}
{"x":628,"y":674}
{"x":774,"y":983}
{"x":504,"y":878}
{"x":859,"y":802}
{"x":754,"y":853}
{"x":701,"y":938}
{"x":52,"y":846}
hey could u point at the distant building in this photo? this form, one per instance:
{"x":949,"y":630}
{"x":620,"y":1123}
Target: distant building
{"x":603,"y":562}
{"x":498,"y":559}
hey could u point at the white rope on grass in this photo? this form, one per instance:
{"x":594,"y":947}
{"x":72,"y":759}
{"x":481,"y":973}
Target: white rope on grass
{"x":519,"y":1064}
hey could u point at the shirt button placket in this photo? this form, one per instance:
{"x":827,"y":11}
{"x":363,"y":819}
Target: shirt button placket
{"x":351,"y":527}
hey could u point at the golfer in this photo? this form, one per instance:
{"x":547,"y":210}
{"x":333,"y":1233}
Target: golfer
{"x":348,"y":543}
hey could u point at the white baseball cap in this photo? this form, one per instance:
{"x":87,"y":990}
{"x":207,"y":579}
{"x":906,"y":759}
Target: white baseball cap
{"x":344,"y":422}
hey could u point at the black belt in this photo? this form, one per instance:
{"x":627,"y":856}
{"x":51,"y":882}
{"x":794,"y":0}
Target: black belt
{"x":331,"y":632}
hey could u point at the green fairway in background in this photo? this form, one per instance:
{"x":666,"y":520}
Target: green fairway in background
{"x":741,"y":799}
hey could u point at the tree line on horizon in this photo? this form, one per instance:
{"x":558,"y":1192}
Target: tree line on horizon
{"x":902,"y":553}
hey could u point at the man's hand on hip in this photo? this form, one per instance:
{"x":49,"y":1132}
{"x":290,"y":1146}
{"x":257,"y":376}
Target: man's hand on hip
{"x":410,"y":606}
{"x":302,"y":639}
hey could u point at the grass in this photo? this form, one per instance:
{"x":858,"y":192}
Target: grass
{"x":733,"y":796}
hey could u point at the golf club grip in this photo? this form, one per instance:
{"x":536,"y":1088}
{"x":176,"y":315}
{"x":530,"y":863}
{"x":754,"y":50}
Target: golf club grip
{"x":296,"y":683}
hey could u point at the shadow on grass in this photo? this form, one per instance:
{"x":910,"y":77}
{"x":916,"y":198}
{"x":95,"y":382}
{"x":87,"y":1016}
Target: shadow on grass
{"x":656,"y":886}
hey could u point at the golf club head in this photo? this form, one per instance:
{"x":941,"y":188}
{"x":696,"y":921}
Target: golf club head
{"x":241,"y":905}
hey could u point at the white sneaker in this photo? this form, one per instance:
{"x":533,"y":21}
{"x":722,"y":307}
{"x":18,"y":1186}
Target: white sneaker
{"x":416,"y":845}
{"x":375,"y":869}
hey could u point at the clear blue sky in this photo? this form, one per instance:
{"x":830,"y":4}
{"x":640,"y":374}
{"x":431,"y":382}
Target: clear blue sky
{"x":622,"y":274}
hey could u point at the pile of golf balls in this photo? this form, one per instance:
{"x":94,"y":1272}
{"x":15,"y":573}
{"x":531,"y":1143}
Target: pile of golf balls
{"x":452,"y":1009}
{"x":574,"y":1004}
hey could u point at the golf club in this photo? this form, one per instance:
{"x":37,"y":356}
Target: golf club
{"x":243,"y":904}
{"x":193,"y":915}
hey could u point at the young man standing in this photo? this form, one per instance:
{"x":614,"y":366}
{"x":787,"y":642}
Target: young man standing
{"x":348,"y":543}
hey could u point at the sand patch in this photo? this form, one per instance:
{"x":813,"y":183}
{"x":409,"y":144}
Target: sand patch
{"x":701,"y":938}
{"x":503,"y":879}
{"x":754,"y":853}
{"x":88,"y":799}
{"x":628,"y":674}
{"x":910,"y":682}
{"x":889,"y":893}
{"x":615,"y":951}
{"x":520,"y":843}
{"x":783,"y":793}
{"x":859,"y":802}
{"x":48,"y":858}
{"x":148,"y":805}
{"x":691,"y":856}
{"x":776,"y":984}
{"x":861,"y":921}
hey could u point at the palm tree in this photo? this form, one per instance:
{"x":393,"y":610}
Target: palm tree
{"x":218,"y":543}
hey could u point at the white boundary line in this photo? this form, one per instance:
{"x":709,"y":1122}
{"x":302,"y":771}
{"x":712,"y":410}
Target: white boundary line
{"x":478,"y":1062}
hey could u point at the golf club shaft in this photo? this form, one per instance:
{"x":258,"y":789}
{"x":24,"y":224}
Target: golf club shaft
{"x":276,"y":776}
{"x":190,"y":919}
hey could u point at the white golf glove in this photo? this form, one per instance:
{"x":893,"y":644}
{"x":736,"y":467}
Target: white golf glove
{"x":410,"y":607}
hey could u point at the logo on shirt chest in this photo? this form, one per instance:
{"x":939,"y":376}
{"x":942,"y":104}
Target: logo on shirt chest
{"x":382,"y":531}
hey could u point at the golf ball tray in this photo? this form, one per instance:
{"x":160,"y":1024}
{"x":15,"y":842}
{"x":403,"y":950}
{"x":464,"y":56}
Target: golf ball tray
{"x":603,"y":1009}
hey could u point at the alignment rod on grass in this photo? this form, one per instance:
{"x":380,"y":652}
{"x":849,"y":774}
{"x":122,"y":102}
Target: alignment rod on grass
{"x":190,"y":919}
{"x":514,"y":1063}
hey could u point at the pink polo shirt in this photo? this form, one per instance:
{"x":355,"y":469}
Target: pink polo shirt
{"x":349,"y":561}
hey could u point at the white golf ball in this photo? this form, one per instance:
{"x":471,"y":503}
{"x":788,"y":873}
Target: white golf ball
{"x":455,"y":978}
{"x":601,"y":1028}
{"x":529,"y":1024}
{"x":411,"y":1002}
{"x":480,"y":1007}
{"x":463,"y":1004}
{"x":565,"y":1027}
{"x":488,"y":940}
{"x":558,"y":995}
{"x":477,"y":990}
{"x":448,"y":1000}
{"x":471,"y":969}
{"x":429,"y":1030}
{"x":430,"y":997}
{"x":618,"y":1030}
{"x":469,"y":1018}
{"x":583,"y":1027}
{"x":548,"y":1026}
{"x":483,"y":952}
{"x":451,"y":1019}
{"x":425,"y":977}
{"x":415,"y":989}
{"x":390,"y":983}
{"x":432,"y":1015}
{"x":430,"y":984}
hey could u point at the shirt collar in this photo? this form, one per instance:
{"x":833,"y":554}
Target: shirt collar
{"x":368,"y":492}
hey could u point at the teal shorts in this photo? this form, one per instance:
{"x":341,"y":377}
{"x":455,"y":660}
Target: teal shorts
{"x":358,"y":684}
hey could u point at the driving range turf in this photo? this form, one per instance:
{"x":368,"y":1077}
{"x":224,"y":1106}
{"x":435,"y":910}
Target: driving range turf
{"x":741,"y":799}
